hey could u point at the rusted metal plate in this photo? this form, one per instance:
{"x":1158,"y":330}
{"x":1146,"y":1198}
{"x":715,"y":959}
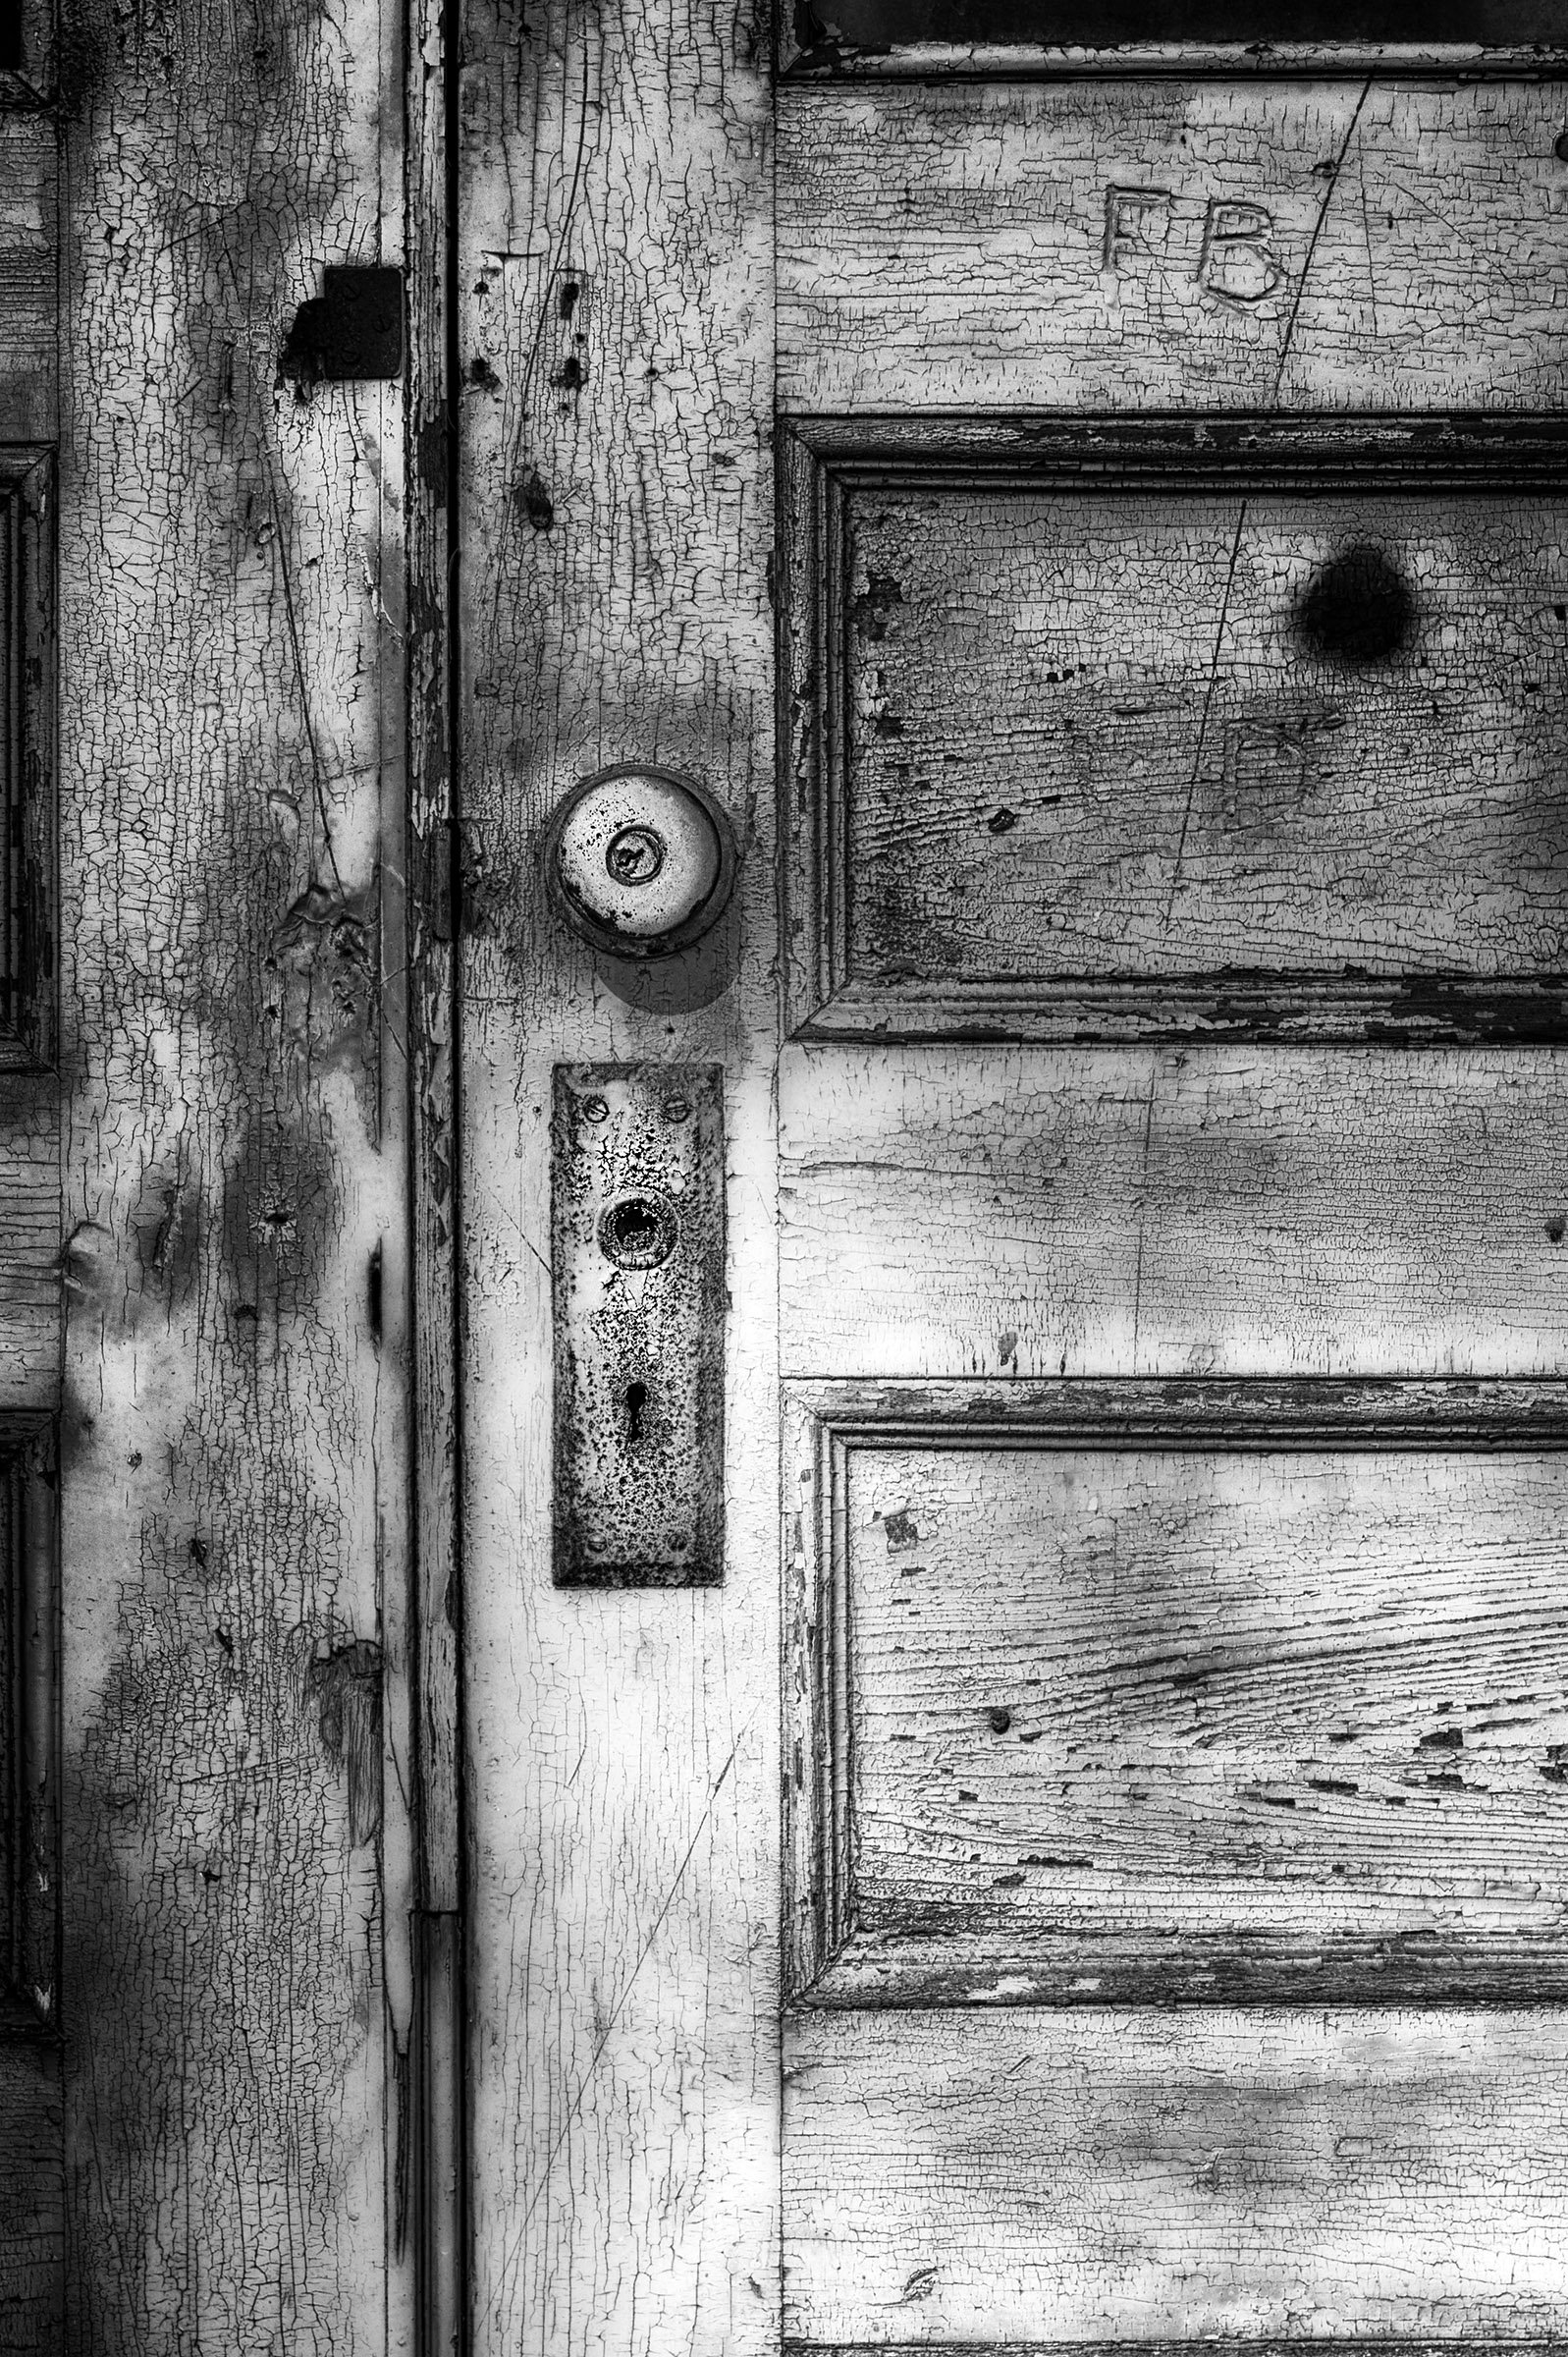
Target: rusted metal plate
{"x":638,"y":1280}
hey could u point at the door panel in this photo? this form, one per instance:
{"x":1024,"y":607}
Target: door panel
{"x":1029,"y":2177}
{"x":1108,"y":727}
{"x":1158,"y":242}
{"x":1175,"y":1691}
{"x":1168,"y":731}
{"x":1172,"y":1211}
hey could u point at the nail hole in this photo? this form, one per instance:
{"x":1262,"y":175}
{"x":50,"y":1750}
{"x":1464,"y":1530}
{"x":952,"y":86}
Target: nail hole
{"x":1001,"y":1719}
{"x":675,"y":1109}
{"x":1560,"y":148}
{"x":594,"y":1109}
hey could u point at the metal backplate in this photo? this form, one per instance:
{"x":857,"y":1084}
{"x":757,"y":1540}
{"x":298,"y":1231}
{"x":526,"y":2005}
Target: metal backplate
{"x":637,"y":1265}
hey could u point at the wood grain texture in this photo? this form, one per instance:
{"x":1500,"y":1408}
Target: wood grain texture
{"x":29,"y":981}
{"x":30,"y":262}
{"x":933,"y":36}
{"x":1050,"y":773}
{"x":922,"y":1722}
{"x":1046,"y":785}
{"x":30,"y":1259}
{"x":29,"y":1726}
{"x":617,"y":364}
{"x":944,"y":243}
{"x":1194,"y":1704}
{"x":1087,"y":2177}
{"x":432,"y":963}
{"x":1172,"y":1211}
{"x":33,"y":2228}
{"x":224,"y":546}
{"x":427,"y":1717}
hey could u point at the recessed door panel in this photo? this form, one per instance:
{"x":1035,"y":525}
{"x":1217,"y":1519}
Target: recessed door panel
{"x":1181,"y":1692}
{"x":1189,"y":750}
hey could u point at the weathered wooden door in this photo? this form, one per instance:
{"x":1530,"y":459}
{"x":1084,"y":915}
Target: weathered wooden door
{"x":1092,"y":1870}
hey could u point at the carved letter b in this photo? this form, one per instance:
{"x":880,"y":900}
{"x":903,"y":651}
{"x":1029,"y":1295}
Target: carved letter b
{"x":1238,"y":261}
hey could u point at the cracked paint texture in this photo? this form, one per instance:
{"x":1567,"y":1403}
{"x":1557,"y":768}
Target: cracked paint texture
{"x":224,"y":634}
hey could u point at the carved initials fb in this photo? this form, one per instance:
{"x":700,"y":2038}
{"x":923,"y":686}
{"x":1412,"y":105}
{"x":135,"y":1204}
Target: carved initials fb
{"x":1237,"y":259}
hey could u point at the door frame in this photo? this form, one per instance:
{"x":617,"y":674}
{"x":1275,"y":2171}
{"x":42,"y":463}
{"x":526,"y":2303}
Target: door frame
{"x":432,"y":2159}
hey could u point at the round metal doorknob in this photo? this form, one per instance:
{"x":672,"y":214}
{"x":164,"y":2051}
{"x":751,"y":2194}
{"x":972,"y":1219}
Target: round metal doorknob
{"x":639,"y":862}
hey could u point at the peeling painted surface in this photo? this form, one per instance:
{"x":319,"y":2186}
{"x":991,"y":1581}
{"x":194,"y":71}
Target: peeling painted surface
{"x":617,"y":287}
{"x":964,"y":245}
{"x":226,"y":1426}
{"x":1174,"y":2173}
{"x":1082,"y":1726}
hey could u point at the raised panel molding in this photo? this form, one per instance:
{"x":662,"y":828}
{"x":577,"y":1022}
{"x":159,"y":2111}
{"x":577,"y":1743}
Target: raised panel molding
{"x":1506,"y":981}
{"x":1486,"y":1949}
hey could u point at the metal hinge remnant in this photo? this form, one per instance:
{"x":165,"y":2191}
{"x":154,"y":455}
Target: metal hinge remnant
{"x":352,"y":329}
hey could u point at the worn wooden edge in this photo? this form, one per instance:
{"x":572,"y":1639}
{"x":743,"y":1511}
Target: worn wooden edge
{"x":36,"y":980}
{"x":907,"y":1965}
{"x":814,"y":1753}
{"x":31,"y":1783}
{"x":1236,"y":1412}
{"x":829,"y":1961}
{"x":823,"y":461}
{"x":805,"y":913}
{"x":432,"y":918}
{"x":34,"y":1494}
{"x":1441,"y":1010}
{"x":437,"y":2169}
{"x":440,"y":2164}
{"x":830,"y":59}
{"x":1254,"y":450}
{"x":28,"y":1023}
{"x":1204,"y":2346}
{"x":389,"y":1283}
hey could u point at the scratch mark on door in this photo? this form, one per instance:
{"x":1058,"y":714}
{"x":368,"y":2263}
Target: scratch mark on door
{"x":514,"y":2242}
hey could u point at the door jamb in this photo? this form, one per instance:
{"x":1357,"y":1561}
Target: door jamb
{"x":439,"y":2155}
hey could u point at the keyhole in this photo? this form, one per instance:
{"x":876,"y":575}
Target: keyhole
{"x":639,"y":1232}
{"x":636,"y":1402}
